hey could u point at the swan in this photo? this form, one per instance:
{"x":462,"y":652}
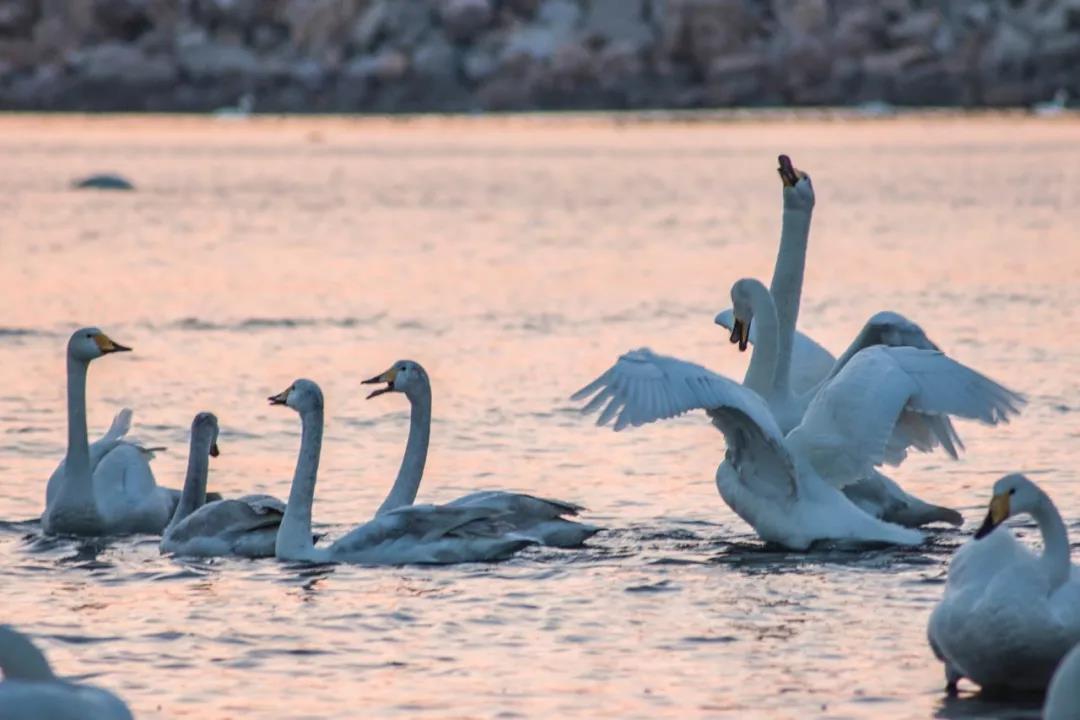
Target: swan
{"x":245,"y":526}
{"x":30,"y":690}
{"x":528,"y":516}
{"x":788,"y":488}
{"x":435,"y":534}
{"x":1063,"y":695}
{"x":876,"y":493}
{"x":1008,"y":616}
{"x":107,"y":488}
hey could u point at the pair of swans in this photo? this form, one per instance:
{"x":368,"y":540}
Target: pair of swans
{"x":487,"y":525}
{"x":31,"y":691}
{"x":1008,"y":616}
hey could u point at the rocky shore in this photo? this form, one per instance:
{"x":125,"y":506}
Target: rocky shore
{"x":477,"y":55}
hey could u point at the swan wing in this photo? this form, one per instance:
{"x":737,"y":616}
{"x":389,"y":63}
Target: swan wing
{"x":120,"y":427}
{"x":849,"y":427}
{"x":228,"y":518}
{"x":642,"y":387}
{"x":540,"y":519}
{"x":810,"y":362}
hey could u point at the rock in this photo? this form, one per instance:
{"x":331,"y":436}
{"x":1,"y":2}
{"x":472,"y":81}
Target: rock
{"x":735,"y":79}
{"x":400,"y":24}
{"x":122,"y":19}
{"x":708,"y":29}
{"x":201,"y":58}
{"x":618,"y":21}
{"x":918,"y":28}
{"x":17,"y":17}
{"x":555,"y":26}
{"x":619,"y":65}
{"x":387,"y":66}
{"x":802,"y":17}
{"x":318,"y":27}
{"x":479,"y":63}
{"x":116,"y":62}
{"x":463,"y":20}
{"x":103,"y":181}
{"x":561,"y":15}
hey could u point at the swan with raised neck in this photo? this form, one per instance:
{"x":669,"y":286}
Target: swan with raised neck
{"x":410,"y":379}
{"x":203,"y":446}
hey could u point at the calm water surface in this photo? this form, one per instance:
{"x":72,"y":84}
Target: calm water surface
{"x":515,"y":259}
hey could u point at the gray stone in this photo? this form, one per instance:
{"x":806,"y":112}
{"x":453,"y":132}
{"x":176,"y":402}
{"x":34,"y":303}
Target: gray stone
{"x":386,"y":66}
{"x":463,"y":20}
{"x":120,"y":63}
{"x":479,"y":63}
{"x":103,"y":181}
{"x":619,"y":21}
{"x":201,"y":58}
{"x":436,"y":59}
{"x":17,"y":17}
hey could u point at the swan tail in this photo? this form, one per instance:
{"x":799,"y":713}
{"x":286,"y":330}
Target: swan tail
{"x":121,"y":426}
{"x":559,"y":533}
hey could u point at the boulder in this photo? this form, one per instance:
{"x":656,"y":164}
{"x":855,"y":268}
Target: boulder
{"x":386,"y":66}
{"x":620,"y":22}
{"x":17,"y":17}
{"x":200,"y":57}
{"x":464,"y":20}
{"x":115,"y":62}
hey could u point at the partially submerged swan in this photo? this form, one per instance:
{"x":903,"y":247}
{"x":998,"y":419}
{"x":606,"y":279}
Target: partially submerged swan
{"x":789,"y":488}
{"x":30,"y":691}
{"x":438,"y":534}
{"x":1063,"y":695}
{"x":1009,"y":616}
{"x":245,"y":526}
{"x":107,"y":488}
{"x":528,"y":516}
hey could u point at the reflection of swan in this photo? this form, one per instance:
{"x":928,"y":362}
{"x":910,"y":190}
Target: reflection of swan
{"x":788,"y":488}
{"x":30,"y":690}
{"x":1008,"y":616}
{"x":528,"y":516}
{"x":107,"y":488}
{"x":1063,"y":696}
{"x":246,"y":526}
{"x":409,"y":534}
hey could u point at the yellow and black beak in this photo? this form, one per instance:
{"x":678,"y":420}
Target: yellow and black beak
{"x":214,"y":452}
{"x":106,"y":344}
{"x":387,"y":377}
{"x":788,"y":174}
{"x":281,"y":398}
{"x":999,"y":510}
{"x":740,"y":333}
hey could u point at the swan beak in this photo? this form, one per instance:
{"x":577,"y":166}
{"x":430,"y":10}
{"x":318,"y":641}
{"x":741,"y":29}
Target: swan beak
{"x":387,"y":377}
{"x":281,"y":398}
{"x":214,"y":452}
{"x":788,"y":174}
{"x":740,"y":333}
{"x":999,"y":510}
{"x":106,"y":344}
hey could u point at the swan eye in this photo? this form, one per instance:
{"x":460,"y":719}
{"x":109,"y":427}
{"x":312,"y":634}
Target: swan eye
{"x":1012,"y":491}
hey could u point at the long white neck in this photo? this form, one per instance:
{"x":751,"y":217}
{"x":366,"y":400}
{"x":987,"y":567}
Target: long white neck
{"x":294,"y":536}
{"x":77,"y":486}
{"x":412,"y":464}
{"x":1055,"y":556}
{"x":787,"y":280}
{"x":761,"y":373}
{"x":20,"y":659}
{"x":193,"y":496}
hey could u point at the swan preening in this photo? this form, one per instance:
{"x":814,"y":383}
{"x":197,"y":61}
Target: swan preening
{"x":106,"y":488}
{"x":527,"y":516}
{"x":245,"y":526}
{"x":30,"y":691}
{"x":1009,"y":616}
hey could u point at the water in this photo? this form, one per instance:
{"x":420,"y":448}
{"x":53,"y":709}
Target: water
{"x":515,"y":259}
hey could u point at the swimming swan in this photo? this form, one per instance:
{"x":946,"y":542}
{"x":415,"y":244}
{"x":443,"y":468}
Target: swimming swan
{"x":528,"y":516}
{"x":1063,"y":695}
{"x":245,"y":526}
{"x":30,"y":690}
{"x":437,"y":534}
{"x":107,"y":488}
{"x":789,"y":488}
{"x":1008,"y":616}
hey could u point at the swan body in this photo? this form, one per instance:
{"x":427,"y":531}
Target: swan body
{"x":1008,"y":616}
{"x":107,"y":488}
{"x":544,"y":521}
{"x":245,"y":526}
{"x":30,"y":691}
{"x":790,"y":488}
{"x":1063,"y":695}
{"x":437,"y":534}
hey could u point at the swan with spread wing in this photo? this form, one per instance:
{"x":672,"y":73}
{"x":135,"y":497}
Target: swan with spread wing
{"x":790,"y":488}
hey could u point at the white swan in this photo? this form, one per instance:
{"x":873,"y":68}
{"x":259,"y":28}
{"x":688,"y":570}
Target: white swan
{"x":245,"y":526}
{"x":30,"y":690}
{"x":528,"y":516}
{"x":1008,"y":616}
{"x":107,"y":489}
{"x":437,"y":534}
{"x":1063,"y":695}
{"x":876,"y":493}
{"x":789,"y":488}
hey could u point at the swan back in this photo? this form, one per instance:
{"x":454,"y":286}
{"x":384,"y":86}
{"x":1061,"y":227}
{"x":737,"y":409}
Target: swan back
{"x":1063,"y":696}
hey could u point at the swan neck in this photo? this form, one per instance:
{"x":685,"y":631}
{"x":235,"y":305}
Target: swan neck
{"x":411,"y":472}
{"x":193,"y":496}
{"x":1055,"y":556}
{"x":761,"y":373}
{"x":77,"y":460}
{"x":20,"y":659}
{"x":294,"y":537}
{"x":786,"y":286}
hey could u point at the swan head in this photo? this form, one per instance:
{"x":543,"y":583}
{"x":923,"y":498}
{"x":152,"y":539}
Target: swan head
{"x":1013,"y":495}
{"x":405,"y":376}
{"x":798,"y":190}
{"x":895,"y":330}
{"x":89,"y":343}
{"x":302,"y":396}
{"x":204,"y":431}
{"x":742,"y":303}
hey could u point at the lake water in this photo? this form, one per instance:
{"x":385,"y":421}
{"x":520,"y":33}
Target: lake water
{"x":515,"y":259}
